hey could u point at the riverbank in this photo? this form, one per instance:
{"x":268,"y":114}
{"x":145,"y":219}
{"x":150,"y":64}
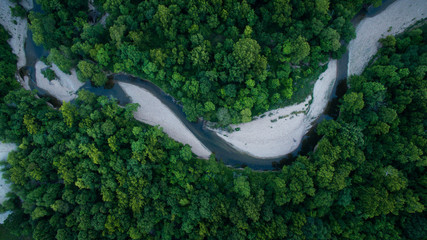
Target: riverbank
{"x":153,"y":112}
{"x":279,"y":132}
{"x":17,"y":28}
{"x":64,"y":87}
{"x":393,"y":20}
{"x":5,"y":149}
{"x":282,"y":132}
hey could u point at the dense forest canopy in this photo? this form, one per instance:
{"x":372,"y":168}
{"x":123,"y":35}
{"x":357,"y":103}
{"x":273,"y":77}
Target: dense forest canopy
{"x":225,"y":60}
{"x":90,"y":171}
{"x":7,"y":65}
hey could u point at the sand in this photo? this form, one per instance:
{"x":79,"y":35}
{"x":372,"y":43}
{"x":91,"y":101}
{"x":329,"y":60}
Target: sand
{"x":393,"y":20}
{"x":27,"y":4}
{"x":266,"y":139}
{"x":18,"y":34}
{"x":152,"y":111}
{"x":280,"y":131}
{"x":17,"y":31}
{"x":64,"y":88}
{"x":90,"y":5}
{"x":104,"y":19}
{"x":322,"y":91}
{"x":5,"y":149}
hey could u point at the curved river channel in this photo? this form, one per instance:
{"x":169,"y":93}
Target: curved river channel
{"x":223,"y":151}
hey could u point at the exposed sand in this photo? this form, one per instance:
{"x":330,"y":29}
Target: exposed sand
{"x":104,"y":19}
{"x":321,"y":92}
{"x":5,"y":149}
{"x":64,"y":88}
{"x":154,"y":112}
{"x":90,"y":5}
{"x":260,"y":137}
{"x":396,"y":18}
{"x":266,"y":139}
{"x":17,"y":31}
{"x":27,"y":4}
{"x":281,"y":130}
{"x":18,"y":34}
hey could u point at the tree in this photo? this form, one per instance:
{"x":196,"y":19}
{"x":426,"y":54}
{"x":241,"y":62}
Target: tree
{"x":117,"y":33}
{"x":62,"y":58}
{"x":298,"y":49}
{"x":282,"y":12}
{"x":102,"y":56}
{"x":322,"y":6}
{"x":209,"y":106}
{"x":352,"y":103}
{"x":68,"y":112}
{"x":18,"y":11}
{"x":99,"y":79}
{"x":43,"y":28}
{"x":199,"y":56}
{"x":86,"y":70}
{"x":223,"y":116}
{"x":242,"y":187}
{"x":329,"y":40}
{"x":245,"y":53}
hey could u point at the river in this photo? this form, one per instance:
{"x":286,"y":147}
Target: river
{"x":223,"y":151}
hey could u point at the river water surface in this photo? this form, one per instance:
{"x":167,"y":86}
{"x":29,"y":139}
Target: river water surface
{"x":223,"y":151}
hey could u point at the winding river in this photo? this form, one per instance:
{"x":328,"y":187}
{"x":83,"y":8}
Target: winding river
{"x":223,"y":151}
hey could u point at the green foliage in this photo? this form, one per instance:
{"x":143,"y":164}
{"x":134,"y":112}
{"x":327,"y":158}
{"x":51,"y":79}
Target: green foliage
{"x":330,"y":40}
{"x":352,"y":103}
{"x":209,"y":44}
{"x":99,"y":79}
{"x":246,"y":52}
{"x":297,"y":50}
{"x":89,"y":71}
{"x":91,"y":171}
{"x":18,"y":11}
{"x":7,"y":65}
{"x":386,"y":116}
{"x":62,"y":58}
{"x":49,"y":74}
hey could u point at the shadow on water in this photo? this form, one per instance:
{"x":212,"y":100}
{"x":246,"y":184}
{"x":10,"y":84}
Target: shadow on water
{"x":223,"y":151}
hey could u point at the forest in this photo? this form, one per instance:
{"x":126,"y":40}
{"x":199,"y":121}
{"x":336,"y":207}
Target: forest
{"x":223,"y":60}
{"x":91,"y":171}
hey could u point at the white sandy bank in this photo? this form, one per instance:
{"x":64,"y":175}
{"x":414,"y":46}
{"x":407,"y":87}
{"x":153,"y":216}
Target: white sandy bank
{"x":17,"y":31}
{"x":5,"y":149}
{"x":154,"y":112}
{"x":64,"y":88}
{"x":281,"y":130}
{"x":266,"y":139}
{"x":396,"y":18}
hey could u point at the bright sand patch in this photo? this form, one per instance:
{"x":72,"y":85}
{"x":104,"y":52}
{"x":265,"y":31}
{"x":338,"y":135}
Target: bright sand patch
{"x":17,"y":31}
{"x":281,"y":130}
{"x":104,"y":19}
{"x":5,"y":149}
{"x":64,"y":88}
{"x":154,"y":112}
{"x":266,"y":139}
{"x":393,"y":20}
